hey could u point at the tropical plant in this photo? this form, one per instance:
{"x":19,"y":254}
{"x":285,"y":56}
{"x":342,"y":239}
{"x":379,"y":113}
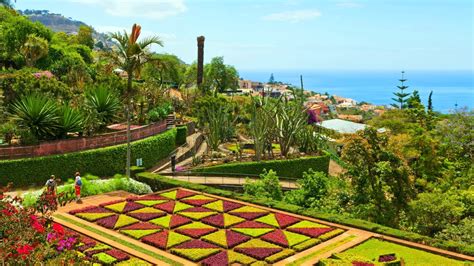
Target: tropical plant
{"x":33,"y":49}
{"x":70,"y":120}
{"x":131,"y":56}
{"x":105,"y":104}
{"x":218,"y":119}
{"x":260,"y":126}
{"x":290,"y":117}
{"x":308,"y":140}
{"x":38,"y":114}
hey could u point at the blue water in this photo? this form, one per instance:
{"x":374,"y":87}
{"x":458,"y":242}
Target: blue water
{"x":450,"y":88}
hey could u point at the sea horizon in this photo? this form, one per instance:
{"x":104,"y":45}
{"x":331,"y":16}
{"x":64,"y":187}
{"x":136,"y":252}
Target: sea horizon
{"x":452,"y":89}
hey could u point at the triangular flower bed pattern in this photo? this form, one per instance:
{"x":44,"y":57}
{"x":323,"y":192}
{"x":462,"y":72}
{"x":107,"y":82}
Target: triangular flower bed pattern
{"x":195,"y":229}
{"x":226,"y":238}
{"x":222,"y":220}
{"x":248,"y":212}
{"x":171,"y":221}
{"x":147,"y":213}
{"x":223,"y":205}
{"x":205,"y":229}
{"x":123,"y":206}
{"x":309,"y":228}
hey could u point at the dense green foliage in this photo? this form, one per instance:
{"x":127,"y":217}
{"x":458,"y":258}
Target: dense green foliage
{"x":102,"y":162}
{"x":181,"y":135}
{"x":267,"y":186}
{"x":158,"y":182}
{"x":293,"y":168}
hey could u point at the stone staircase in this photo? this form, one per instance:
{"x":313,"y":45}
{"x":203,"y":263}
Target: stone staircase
{"x":170,"y":120}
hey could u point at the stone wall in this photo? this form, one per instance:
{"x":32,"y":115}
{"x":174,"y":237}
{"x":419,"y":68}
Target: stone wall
{"x":80,"y":144}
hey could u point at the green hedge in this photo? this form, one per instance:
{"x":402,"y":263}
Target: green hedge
{"x":101,"y":162}
{"x":292,"y":168}
{"x":158,"y":182}
{"x":181,"y":135}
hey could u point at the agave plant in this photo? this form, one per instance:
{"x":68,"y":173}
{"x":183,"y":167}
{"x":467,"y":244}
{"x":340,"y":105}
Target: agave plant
{"x":38,"y":114}
{"x":104,"y":102}
{"x":70,"y":120}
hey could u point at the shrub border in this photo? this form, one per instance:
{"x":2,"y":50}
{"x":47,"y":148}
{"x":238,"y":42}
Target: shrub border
{"x":105,"y":161}
{"x":158,"y":183}
{"x":288,"y":168}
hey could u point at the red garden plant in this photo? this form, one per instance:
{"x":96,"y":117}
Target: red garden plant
{"x":29,"y":236}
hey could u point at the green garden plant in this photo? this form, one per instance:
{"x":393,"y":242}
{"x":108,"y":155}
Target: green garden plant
{"x":132,"y":55}
{"x":38,"y":114}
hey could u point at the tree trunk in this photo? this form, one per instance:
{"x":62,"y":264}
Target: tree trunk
{"x":200,"y":61}
{"x":128,"y":110}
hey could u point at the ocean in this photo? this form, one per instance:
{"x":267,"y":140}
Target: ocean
{"x":451,"y":89}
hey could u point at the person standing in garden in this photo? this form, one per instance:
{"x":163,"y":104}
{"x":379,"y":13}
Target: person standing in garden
{"x":78,"y":186}
{"x":51,"y":185}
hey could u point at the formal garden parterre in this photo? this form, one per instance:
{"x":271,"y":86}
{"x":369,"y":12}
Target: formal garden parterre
{"x":206,"y":229}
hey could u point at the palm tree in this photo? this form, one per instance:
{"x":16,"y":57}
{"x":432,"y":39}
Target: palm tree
{"x":130,"y":57}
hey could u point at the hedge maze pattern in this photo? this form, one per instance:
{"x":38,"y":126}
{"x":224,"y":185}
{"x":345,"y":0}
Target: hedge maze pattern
{"x":208,"y":230}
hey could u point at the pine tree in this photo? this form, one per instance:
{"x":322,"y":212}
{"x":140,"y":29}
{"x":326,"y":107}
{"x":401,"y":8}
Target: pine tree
{"x":430,"y":102}
{"x":414,"y":101}
{"x":272,"y":79}
{"x":401,"y":100}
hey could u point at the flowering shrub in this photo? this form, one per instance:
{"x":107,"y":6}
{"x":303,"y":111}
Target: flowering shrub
{"x":28,"y":237}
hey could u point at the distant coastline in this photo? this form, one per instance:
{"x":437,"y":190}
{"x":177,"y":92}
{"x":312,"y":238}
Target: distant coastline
{"x":376,"y":87}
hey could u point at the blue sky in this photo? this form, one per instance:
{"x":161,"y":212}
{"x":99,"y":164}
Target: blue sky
{"x":294,"y":34}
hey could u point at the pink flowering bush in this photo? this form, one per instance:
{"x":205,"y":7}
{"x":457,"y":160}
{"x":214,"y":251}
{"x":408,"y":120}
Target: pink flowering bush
{"x":30,"y":237}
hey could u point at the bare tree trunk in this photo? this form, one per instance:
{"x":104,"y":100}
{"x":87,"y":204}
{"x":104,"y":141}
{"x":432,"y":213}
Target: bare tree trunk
{"x":129,"y":137}
{"x":200,"y":61}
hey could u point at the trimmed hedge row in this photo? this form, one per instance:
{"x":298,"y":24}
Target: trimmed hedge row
{"x":101,"y":162}
{"x":181,"y":135}
{"x":158,"y":182}
{"x":293,"y":168}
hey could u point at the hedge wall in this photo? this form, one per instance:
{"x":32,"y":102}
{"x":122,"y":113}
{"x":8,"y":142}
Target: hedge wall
{"x":181,"y":135}
{"x":158,"y":182}
{"x":292,"y":168}
{"x":101,"y":162}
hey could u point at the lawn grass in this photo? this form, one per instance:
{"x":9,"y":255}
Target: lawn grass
{"x":372,"y":248}
{"x":321,"y":251}
{"x":119,"y":240}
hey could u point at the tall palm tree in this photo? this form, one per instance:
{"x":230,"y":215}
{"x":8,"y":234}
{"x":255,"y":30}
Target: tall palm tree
{"x":130,"y":57}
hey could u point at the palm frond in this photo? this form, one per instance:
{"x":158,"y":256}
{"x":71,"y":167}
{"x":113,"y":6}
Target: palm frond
{"x":145,"y":42}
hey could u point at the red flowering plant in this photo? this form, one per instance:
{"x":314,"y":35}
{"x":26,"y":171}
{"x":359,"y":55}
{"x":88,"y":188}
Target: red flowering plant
{"x":28,"y":236}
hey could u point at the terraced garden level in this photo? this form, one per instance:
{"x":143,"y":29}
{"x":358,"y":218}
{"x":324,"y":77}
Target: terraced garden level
{"x":208,"y":230}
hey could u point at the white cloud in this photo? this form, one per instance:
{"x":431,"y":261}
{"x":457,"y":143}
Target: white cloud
{"x":348,"y":4}
{"x":293,"y":16}
{"x":152,"y":9}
